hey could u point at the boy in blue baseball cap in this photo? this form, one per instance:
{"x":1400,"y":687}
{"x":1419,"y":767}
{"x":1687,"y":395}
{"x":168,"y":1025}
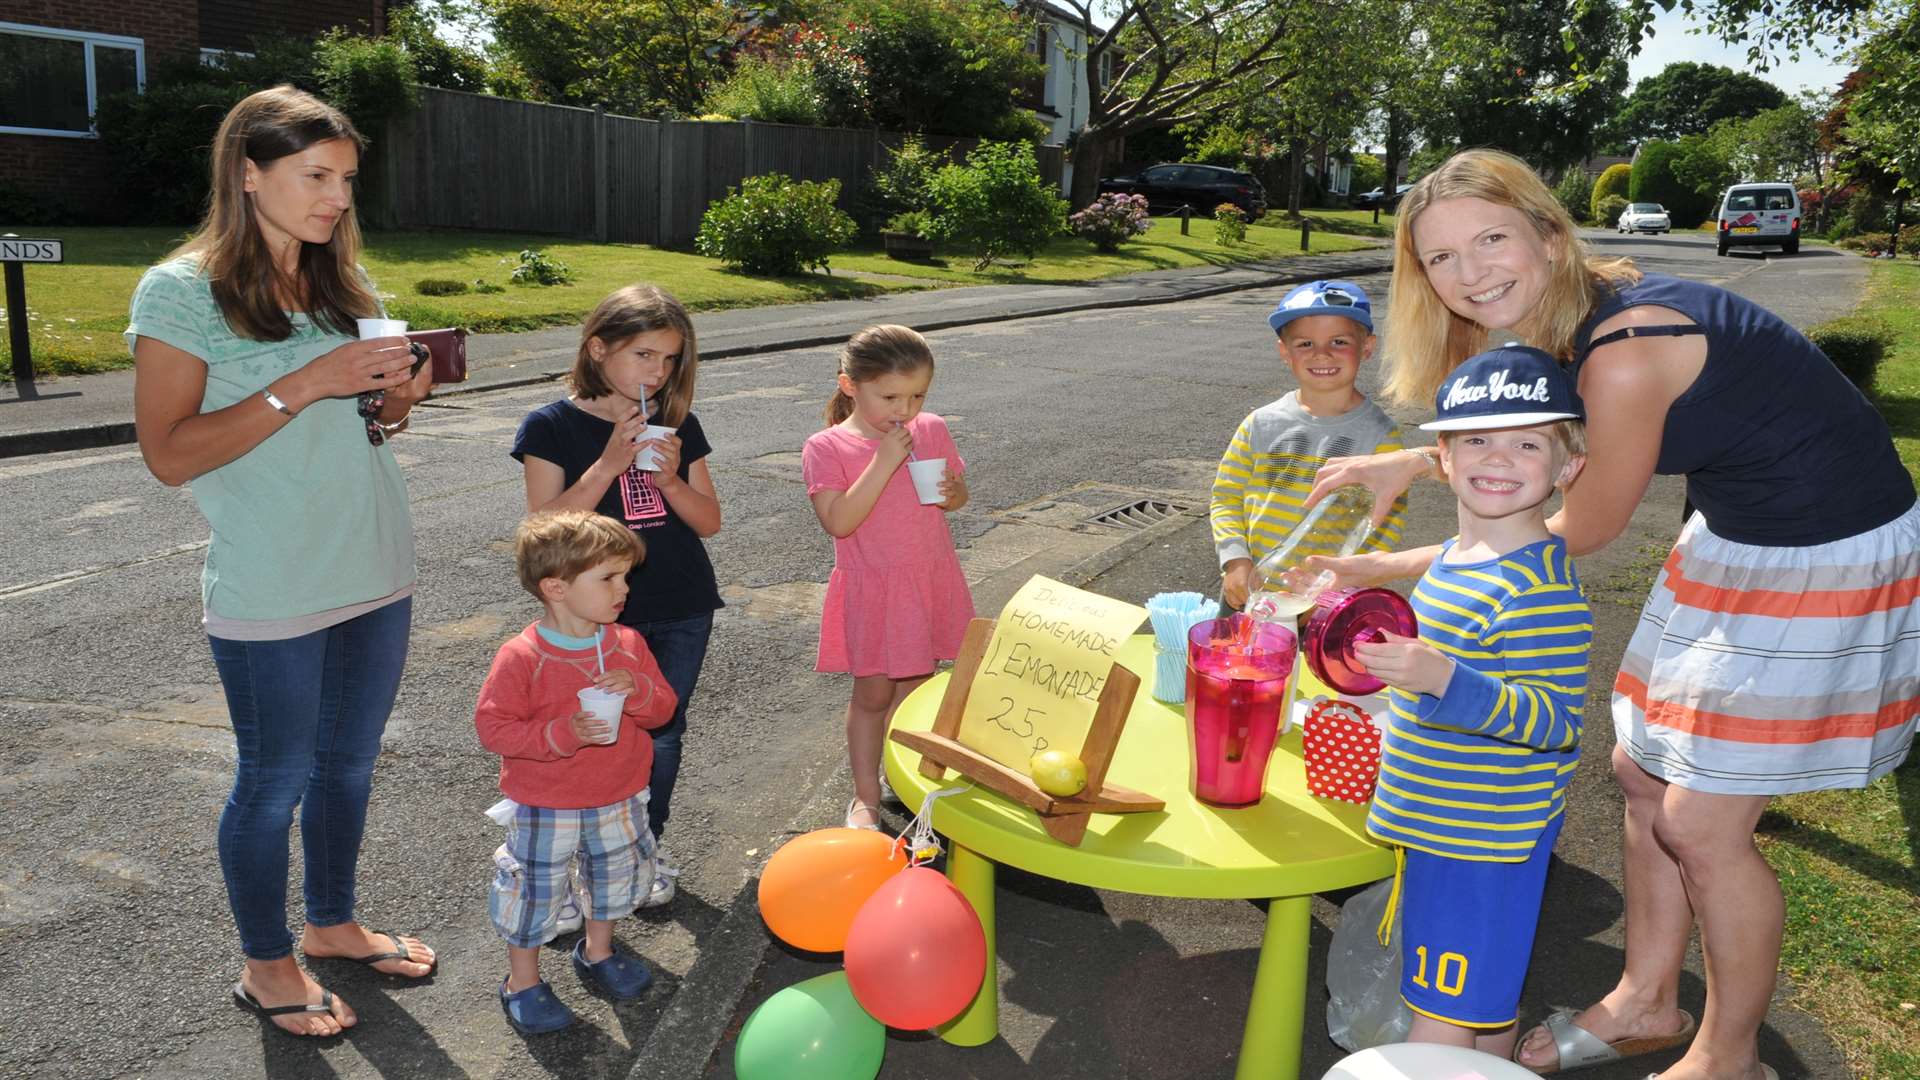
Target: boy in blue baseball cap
{"x":1324,"y":331}
{"x":1484,"y":728}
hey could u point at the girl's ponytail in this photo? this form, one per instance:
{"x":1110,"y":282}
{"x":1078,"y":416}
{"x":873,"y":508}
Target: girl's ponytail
{"x":873,"y":352}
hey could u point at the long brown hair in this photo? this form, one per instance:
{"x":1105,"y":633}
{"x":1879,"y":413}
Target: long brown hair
{"x":232,"y":253}
{"x":1425,"y":338}
{"x":626,"y":312}
{"x":873,"y":352}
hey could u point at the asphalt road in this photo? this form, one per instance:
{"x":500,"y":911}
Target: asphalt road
{"x":115,"y":944}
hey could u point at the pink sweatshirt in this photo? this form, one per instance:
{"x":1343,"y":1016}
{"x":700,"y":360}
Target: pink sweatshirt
{"x":523,"y":713}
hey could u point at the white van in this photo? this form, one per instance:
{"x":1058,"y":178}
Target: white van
{"x":1760,"y":214}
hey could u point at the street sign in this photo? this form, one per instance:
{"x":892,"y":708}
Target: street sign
{"x":19,"y":249}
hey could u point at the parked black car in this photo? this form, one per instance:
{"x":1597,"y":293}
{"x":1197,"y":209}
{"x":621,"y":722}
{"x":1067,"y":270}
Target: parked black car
{"x":1203,"y":187}
{"x":1367,"y":200}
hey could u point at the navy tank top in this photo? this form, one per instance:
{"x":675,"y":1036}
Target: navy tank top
{"x":1779,"y":449}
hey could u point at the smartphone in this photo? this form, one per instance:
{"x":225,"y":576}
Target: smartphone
{"x":446,"y":351}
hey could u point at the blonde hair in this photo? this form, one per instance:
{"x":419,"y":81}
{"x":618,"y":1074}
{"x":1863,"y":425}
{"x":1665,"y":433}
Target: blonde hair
{"x":567,"y":543}
{"x":1425,"y":338}
{"x":624,"y":314}
{"x":1570,"y":435}
{"x":873,"y":352}
{"x":264,"y":128}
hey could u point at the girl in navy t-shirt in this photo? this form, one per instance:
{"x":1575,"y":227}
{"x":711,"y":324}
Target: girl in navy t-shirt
{"x":626,"y":444}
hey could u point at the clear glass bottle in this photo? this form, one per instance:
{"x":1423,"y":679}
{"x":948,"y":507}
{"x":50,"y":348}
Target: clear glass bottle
{"x":1282,"y":588}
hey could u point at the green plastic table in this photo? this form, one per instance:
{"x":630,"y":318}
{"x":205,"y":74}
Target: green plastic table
{"x":1286,"y":848}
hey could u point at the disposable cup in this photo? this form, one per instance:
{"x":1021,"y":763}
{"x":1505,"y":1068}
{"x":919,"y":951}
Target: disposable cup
{"x":927,"y":473}
{"x":649,"y":456}
{"x":379,"y":328}
{"x":606,"y":706}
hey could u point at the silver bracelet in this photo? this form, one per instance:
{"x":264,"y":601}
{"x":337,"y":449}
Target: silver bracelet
{"x":396,"y":425}
{"x":273,"y":399}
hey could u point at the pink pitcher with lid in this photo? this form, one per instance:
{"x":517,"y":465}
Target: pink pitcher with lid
{"x":1237,"y":673}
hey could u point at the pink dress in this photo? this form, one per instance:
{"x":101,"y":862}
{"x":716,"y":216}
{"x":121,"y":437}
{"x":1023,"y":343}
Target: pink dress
{"x":897,"y":602}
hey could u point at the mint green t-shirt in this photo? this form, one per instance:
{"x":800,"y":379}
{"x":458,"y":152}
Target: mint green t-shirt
{"x":315,"y":517}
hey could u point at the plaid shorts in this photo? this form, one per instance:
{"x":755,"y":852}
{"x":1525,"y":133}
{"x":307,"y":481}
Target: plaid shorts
{"x":616,"y":867}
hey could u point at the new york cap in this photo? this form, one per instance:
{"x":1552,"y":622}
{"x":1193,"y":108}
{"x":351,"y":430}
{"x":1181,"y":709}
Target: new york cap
{"x":1511,"y":386}
{"x":1342,"y":298}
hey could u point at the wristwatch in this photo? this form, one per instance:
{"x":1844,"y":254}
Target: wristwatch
{"x":273,"y":399}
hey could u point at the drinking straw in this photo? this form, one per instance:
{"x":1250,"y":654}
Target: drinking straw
{"x":599,"y":657}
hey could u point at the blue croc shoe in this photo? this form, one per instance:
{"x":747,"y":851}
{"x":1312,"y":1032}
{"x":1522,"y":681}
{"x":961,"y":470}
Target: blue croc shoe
{"x":622,"y":975}
{"x":535,"y":1011}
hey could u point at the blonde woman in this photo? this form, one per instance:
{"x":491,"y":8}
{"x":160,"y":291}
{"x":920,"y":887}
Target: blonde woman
{"x":249,"y":382}
{"x":1779,"y":650}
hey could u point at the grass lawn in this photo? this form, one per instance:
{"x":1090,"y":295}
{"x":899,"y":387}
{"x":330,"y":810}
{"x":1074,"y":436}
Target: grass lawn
{"x":1849,"y":861}
{"x":78,"y":308}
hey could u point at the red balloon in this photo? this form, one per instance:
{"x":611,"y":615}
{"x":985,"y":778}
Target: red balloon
{"x":915,"y":952}
{"x":814,"y":885}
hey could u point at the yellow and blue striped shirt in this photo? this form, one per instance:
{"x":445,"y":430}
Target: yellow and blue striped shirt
{"x":1478,"y":772}
{"x":1264,"y":476}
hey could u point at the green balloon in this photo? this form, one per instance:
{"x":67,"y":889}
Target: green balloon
{"x":813,"y":1030}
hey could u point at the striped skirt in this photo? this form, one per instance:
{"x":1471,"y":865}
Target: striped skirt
{"x":1769,"y":670}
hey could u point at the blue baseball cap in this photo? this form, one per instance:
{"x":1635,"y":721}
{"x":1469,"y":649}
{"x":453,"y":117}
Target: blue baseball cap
{"x":1342,"y":298}
{"x":1512,"y":386}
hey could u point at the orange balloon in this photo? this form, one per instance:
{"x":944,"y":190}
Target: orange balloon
{"x":813,"y":886}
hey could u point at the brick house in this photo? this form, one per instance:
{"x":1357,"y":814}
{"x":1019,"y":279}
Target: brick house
{"x":57,"y":57}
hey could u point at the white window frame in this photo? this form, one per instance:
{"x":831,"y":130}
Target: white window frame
{"x":89,"y":40}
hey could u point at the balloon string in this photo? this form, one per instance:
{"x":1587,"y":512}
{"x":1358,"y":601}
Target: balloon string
{"x":919,"y":841}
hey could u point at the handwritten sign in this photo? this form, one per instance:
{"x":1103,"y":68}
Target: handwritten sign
{"x":1043,"y":672}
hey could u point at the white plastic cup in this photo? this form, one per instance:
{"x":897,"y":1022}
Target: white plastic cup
{"x":927,"y":474}
{"x":649,"y":456}
{"x":379,"y":328}
{"x":604,"y":705}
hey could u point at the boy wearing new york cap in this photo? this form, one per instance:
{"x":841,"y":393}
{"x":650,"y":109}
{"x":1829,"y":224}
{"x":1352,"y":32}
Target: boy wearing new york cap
{"x":1324,"y":330}
{"x":1483,"y":732}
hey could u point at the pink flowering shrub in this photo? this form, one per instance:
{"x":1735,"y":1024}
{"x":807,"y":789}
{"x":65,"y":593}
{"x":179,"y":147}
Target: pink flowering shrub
{"x":1111,"y":220}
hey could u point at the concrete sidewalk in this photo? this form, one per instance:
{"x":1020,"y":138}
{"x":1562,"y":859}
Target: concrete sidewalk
{"x":77,"y":412}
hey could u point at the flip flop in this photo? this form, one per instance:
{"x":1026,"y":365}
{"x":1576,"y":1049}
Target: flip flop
{"x":247,"y":1002}
{"x":1578,"y":1048}
{"x":399,"y":952}
{"x":1765,"y":1070}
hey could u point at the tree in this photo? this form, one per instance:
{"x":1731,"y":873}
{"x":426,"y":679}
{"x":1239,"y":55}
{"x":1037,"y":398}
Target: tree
{"x":1615,"y":180}
{"x":1656,"y":179}
{"x":1542,"y":84}
{"x":1689,"y":99}
{"x":944,"y":66}
{"x":1884,"y":119}
{"x":1767,"y":27}
{"x":645,"y":57}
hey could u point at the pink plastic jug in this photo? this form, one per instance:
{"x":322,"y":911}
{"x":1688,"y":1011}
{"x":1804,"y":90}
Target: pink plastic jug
{"x":1237,"y":673}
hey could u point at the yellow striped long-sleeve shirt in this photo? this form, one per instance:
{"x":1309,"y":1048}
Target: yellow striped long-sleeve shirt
{"x":1479,"y":771}
{"x":1264,"y":477}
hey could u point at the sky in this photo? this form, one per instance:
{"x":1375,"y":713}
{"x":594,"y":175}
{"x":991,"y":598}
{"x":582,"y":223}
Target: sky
{"x":1672,"y":43}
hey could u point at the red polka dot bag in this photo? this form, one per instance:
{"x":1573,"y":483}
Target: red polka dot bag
{"x":1342,"y":750}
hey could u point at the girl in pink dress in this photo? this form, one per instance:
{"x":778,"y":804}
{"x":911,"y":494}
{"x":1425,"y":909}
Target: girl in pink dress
{"x":897,"y":603}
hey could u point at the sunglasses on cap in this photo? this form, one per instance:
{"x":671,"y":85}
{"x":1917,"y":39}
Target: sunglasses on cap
{"x":1337,"y":298}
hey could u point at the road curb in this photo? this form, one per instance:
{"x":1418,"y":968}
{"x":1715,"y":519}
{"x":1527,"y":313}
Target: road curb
{"x":96,"y":436}
{"x":695,"y":1021}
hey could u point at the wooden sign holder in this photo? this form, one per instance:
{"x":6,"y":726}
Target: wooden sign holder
{"x":1065,"y":818}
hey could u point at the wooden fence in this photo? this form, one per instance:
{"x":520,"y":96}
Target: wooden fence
{"x":466,"y":161}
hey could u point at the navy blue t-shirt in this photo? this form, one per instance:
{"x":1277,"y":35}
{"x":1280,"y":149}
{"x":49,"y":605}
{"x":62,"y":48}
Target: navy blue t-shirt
{"x":1779,"y":449}
{"x":676,"y":579}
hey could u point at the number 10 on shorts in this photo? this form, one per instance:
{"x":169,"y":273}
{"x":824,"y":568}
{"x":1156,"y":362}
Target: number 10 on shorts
{"x":1450,"y":978}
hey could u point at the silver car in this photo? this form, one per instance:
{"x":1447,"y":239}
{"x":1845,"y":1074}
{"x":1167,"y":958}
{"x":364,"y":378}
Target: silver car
{"x":1646,"y":217}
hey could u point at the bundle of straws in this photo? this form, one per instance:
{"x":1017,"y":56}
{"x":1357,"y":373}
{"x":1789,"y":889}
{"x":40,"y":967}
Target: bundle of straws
{"x":1172,"y":615}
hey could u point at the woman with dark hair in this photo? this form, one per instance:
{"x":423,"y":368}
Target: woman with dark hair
{"x":1779,"y":650}
{"x":250,"y":383}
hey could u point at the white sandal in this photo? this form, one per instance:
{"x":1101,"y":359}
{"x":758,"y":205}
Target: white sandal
{"x":855,"y":806}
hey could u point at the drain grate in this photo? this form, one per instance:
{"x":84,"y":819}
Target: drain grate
{"x":1138,"y":514}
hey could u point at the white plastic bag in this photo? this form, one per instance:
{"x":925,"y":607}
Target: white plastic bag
{"x":1363,"y":978}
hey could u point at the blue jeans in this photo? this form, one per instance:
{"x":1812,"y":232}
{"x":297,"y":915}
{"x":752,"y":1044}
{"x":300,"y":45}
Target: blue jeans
{"x":307,"y":717}
{"x":679,"y":646}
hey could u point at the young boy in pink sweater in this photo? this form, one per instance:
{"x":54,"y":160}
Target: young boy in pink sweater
{"x":579,"y":782}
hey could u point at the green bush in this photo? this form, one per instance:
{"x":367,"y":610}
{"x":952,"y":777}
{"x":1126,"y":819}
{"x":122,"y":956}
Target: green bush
{"x":539,"y":268}
{"x":482,"y":285}
{"x":997,"y":204}
{"x":776,"y":91}
{"x":1575,"y":192}
{"x":775,"y":225}
{"x":912,"y":222}
{"x":369,"y":79}
{"x":1606,"y":212}
{"x":440,"y":287}
{"x":1856,"y":344}
{"x":1615,"y":180}
{"x":157,"y":146}
{"x":1229,"y":225}
{"x":1655,"y":180}
{"x":902,"y":184}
